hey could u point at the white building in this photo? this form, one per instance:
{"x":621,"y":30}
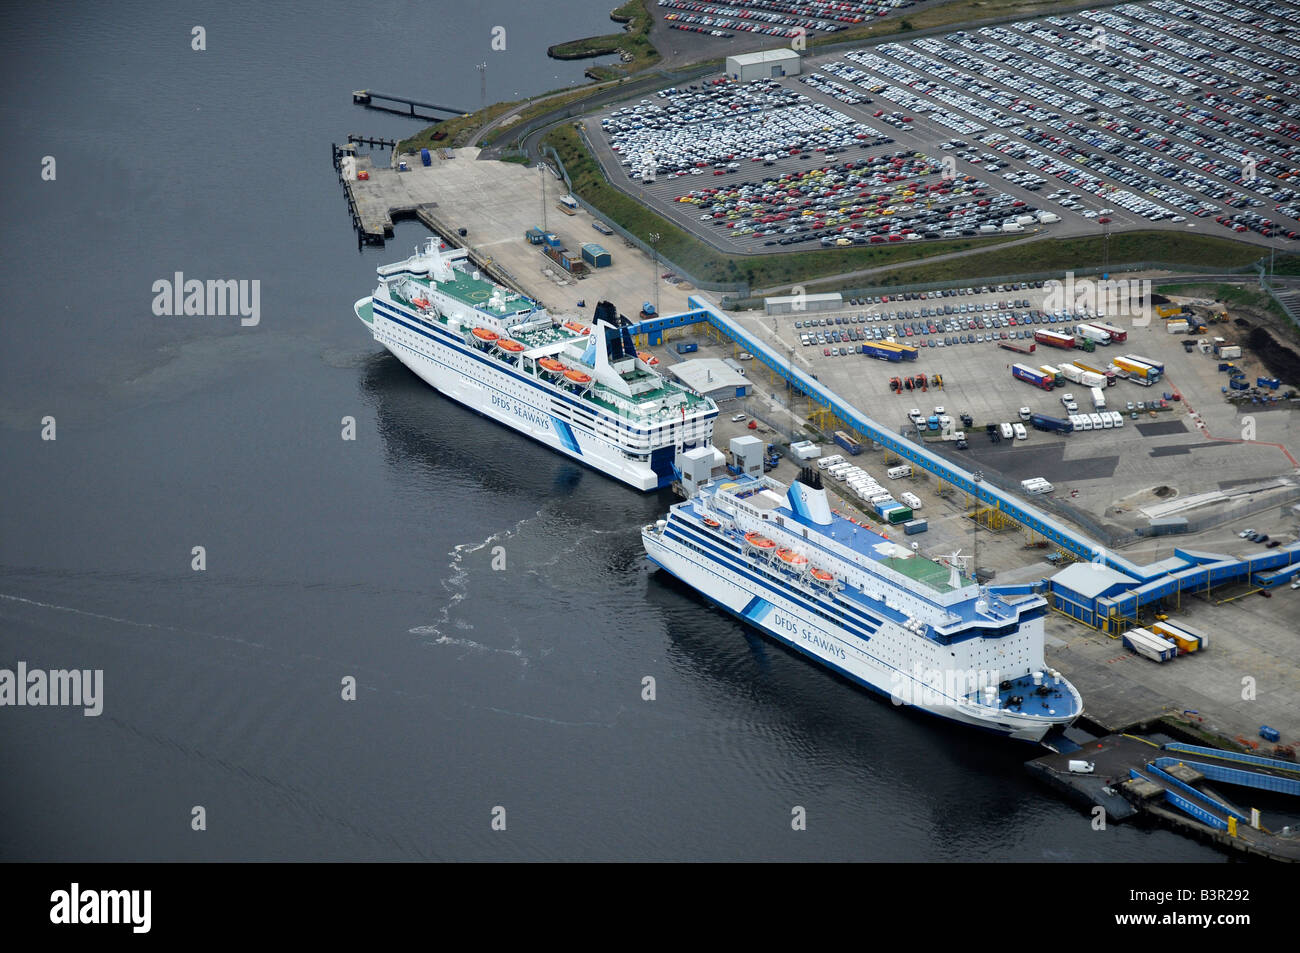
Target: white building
{"x":765,"y":64}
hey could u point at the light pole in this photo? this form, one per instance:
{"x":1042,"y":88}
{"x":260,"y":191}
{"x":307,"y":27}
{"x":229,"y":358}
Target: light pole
{"x":977,"y":476}
{"x":654,"y":243}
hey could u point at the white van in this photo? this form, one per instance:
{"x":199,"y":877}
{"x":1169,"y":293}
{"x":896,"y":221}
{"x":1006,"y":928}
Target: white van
{"x":895,"y":473}
{"x":825,"y":463}
{"x":1095,"y":420}
{"x":1116,"y":417}
{"x":911,"y":499}
{"x":1019,"y":430}
{"x":1107,"y":421}
{"x":1007,"y":432}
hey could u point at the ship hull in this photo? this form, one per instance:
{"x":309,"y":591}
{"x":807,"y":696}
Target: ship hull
{"x":505,"y":398}
{"x":788,"y":621}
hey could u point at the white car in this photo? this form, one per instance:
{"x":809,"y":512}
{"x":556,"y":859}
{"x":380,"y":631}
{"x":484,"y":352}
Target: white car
{"x":737,"y":418}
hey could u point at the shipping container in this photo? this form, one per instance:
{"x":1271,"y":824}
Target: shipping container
{"x":1092,"y":333}
{"x":1202,"y":640}
{"x":912,"y":527}
{"x":882,"y":351}
{"x":899,"y":514}
{"x":1186,"y":642}
{"x":1054,"y":424}
{"x":687,"y":347}
{"x":1107,"y":373}
{"x":1150,"y":646}
{"x":1031,"y":376}
{"x":1054,"y":339}
{"x":1117,"y":335}
{"x":845,"y":442}
{"x":1098,"y":398}
{"x":1136,"y":368}
{"x":1157,"y":365}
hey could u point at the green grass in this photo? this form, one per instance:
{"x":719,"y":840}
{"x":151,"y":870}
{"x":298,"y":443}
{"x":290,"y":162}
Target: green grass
{"x":1063,"y":254}
{"x":635,"y":39}
{"x":1242,"y":295}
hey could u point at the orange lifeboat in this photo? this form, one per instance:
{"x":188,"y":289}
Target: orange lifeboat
{"x":420,"y":302}
{"x":762,"y":542}
{"x":506,"y":344}
{"x":577,"y":328}
{"x":711,"y":522}
{"x":791,"y":558}
{"x":577,"y":377}
{"x":821,"y":575}
{"x":551,"y":364}
{"x":483,"y":334}
{"x":648,"y":357}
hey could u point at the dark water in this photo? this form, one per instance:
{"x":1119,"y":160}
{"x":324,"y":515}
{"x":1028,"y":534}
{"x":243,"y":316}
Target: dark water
{"x":477,"y":688}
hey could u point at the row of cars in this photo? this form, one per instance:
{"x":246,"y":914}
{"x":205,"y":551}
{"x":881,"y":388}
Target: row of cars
{"x":727,"y":122}
{"x":958,"y":325}
{"x":883,"y":198}
{"x":1127,"y":110}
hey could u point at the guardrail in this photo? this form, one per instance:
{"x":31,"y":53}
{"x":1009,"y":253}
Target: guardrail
{"x":1184,"y":274}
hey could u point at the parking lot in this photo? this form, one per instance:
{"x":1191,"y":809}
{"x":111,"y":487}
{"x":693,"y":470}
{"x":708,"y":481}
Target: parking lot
{"x":783,"y":19}
{"x":1183,"y":116}
{"x":1094,"y":470}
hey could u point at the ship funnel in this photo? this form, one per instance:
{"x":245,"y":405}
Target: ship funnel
{"x":808,"y":500}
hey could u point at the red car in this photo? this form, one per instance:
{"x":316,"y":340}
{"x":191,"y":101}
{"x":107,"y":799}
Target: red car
{"x":1103,"y":220}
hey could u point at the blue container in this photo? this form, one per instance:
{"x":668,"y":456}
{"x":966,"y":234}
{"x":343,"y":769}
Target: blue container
{"x":425,"y":157}
{"x":1268,"y":734}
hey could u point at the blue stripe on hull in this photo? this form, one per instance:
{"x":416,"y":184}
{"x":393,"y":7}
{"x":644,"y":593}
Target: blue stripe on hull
{"x":565,"y":433}
{"x":855,"y":679}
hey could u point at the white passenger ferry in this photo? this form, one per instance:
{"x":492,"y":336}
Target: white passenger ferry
{"x":870,"y":608}
{"x":583,"y":390}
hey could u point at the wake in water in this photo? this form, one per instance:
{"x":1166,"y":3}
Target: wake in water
{"x":455,"y":587}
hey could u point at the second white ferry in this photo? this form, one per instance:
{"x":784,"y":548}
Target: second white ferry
{"x":583,"y":390}
{"x":866,"y":606}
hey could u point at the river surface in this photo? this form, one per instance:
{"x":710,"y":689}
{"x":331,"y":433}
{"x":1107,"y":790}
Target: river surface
{"x":477,"y":688}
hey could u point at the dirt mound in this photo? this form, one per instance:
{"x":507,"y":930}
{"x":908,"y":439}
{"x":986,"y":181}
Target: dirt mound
{"x":1280,"y":360}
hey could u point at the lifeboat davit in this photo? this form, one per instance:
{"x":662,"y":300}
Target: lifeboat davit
{"x":762,"y":542}
{"x":648,"y":357}
{"x":420,"y":302}
{"x":483,"y":334}
{"x":506,"y":344}
{"x":821,"y":575}
{"x":578,"y":377}
{"x":791,"y":558}
{"x":711,"y":522}
{"x":551,"y":364}
{"x":577,"y":328}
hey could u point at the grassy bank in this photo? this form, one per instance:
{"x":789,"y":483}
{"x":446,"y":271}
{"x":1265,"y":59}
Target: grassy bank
{"x":774,"y":270}
{"x":634,"y":39}
{"x":944,"y":15}
{"x":1246,"y":295}
{"x":1063,"y":254}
